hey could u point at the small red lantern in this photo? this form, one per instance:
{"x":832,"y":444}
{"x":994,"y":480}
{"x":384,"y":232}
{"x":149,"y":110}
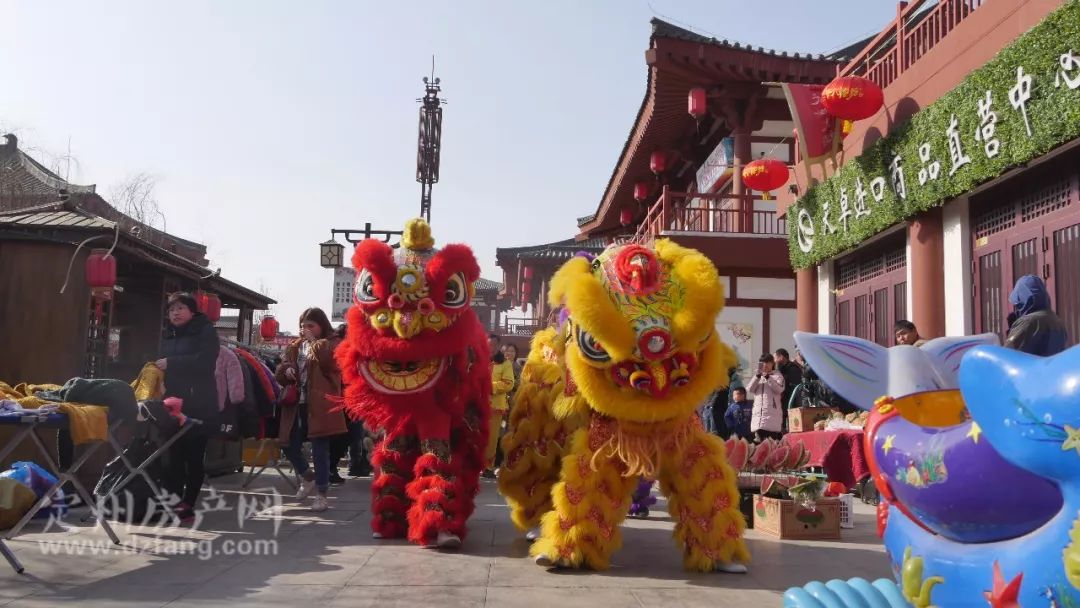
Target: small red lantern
{"x":100,"y":270}
{"x":202,"y":300}
{"x":658,"y":162}
{"x":852,"y":97}
{"x":695,"y":103}
{"x":528,"y":273}
{"x":641,"y":191}
{"x":213,"y":307}
{"x":765,"y":174}
{"x":268,"y":328}
{"x":626,"y":216}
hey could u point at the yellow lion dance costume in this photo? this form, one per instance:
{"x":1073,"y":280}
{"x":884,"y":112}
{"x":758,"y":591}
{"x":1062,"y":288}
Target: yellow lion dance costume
{"x":641,"y":354}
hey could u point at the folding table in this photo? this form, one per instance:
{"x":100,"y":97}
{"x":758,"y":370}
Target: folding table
{"x":140,"y":470}
{"x":275,"y":462}
{"x":53,"y":420}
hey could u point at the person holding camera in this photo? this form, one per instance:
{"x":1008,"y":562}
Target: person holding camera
{"x":767,"y":387}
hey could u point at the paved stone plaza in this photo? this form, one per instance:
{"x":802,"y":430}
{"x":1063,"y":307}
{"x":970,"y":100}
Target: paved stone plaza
{"x":331,"y":559}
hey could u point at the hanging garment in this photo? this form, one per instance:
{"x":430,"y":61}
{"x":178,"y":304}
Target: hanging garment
{"x":230,"y":380}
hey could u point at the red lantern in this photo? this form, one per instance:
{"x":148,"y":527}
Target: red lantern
{"x":695,"y":102}
{"x":268,"y":329}
{"x":641,"y":191}
{"x":202,"y":301}
{"x":852,"y":97}
{"x":213,"y":307}
{"x":765,"y":174}
{"x":626,"y":216}
{"x":100,"y":270}
{"x":528,"y":273}
{"x":658,"y":162}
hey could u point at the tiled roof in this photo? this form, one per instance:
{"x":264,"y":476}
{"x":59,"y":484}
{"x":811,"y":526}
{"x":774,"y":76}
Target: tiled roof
{"x":483,"y":284}
{"x":56,"y":219}
{"x":663,"y":29}
{"x":559,"y":250}
{"x":581,"y":221}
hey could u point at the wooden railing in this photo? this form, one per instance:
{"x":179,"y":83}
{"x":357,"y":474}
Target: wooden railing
{"x":707,"y":213}
{"x":521,"y":326}
{"x":901,"y":44}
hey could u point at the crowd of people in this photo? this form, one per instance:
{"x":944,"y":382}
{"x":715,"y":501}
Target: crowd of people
{"x":311,"y":411}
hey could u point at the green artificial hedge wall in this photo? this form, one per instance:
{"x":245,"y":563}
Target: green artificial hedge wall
{"x":1053,"y":112}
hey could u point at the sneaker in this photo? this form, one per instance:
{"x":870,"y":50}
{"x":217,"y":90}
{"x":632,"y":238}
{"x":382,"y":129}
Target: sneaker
{"x":533,"y":534}
{"x":306,"y":486}
{"x":731,"y":568}
{"x":336,"y":479}
{"x":488,"y":474}
{"x":320,"y":504}
{"x":184,"y":513}
{"x":377,"y":535}
{"x":446,"y":540}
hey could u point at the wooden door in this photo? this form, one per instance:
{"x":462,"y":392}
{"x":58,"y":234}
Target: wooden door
{"x":1064,"y":269}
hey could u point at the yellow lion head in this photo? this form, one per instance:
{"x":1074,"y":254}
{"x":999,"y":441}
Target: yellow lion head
{"x":640,"y":339}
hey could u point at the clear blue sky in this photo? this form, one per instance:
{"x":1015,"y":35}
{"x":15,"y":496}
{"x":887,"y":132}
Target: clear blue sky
{"x":269,"y":122}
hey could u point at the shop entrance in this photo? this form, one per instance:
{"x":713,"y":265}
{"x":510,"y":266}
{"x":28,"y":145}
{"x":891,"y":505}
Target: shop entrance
{"x":871,"y":290}
{"x":1028,"y":226}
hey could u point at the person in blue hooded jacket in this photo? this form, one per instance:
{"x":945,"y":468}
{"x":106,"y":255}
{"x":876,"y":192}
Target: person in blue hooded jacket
{"x":1034,"y":328}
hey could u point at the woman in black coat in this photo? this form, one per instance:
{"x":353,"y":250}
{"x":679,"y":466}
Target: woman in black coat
{"x":189,"y":357}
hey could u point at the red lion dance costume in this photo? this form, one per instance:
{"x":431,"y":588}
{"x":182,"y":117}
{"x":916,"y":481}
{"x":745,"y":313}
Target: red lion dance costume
{"x":417,"y":366}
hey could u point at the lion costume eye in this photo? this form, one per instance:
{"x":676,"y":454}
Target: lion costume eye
{"x":456,"y":294}
{"x":365,"y":288}
{"x":590,"y":347}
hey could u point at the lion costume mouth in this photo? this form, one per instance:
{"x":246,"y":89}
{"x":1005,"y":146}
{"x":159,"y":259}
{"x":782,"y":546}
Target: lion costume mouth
{"x":401,"y":378}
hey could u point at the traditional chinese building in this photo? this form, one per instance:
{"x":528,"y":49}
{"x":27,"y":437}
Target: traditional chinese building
{"x":679,"y":174}
{"x":527,"y":273}
{"x":965,"y":180}
{"x":48,"y":229}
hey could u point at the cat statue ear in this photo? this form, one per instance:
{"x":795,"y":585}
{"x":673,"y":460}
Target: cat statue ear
{"x":861,"y":371}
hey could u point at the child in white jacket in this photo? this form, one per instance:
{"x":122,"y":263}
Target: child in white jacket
{"x":767,"y":388}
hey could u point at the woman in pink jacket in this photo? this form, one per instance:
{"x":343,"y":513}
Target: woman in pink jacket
{"x":767,"y":388}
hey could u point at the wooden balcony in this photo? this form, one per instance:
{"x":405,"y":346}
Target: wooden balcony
{"x":521,"y":326}
{"x":704,"y":214}
{"x":910,"y":36}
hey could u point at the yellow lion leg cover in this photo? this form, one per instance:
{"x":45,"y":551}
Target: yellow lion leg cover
{"x":589,"y":505}
{"x":703,"y":499}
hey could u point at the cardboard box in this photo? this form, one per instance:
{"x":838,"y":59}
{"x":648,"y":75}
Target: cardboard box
{"x":786,"y":520}
{"x":253,"y":457}
{"x":801,"y":419}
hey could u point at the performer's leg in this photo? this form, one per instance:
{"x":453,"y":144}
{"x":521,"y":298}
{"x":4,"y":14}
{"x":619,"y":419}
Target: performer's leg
{"x":642,"y":498}
{"x":393,"y":459}
{"x":589,"y":505}
{"x":441,"y":495}
{"x":704,"y":501}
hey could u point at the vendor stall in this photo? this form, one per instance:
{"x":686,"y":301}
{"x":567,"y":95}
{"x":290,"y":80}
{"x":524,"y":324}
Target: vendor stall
{"x":839,"y":453}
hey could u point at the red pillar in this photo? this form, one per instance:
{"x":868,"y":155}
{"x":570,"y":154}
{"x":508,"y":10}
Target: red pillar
{"x":742,"y":158}
{"x":806,"y":299}
{"x":927,"y":273}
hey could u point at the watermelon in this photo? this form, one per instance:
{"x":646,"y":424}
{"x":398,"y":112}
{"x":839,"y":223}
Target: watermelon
{"x":795,"y":454}
{"x":761,"y":455}
{"x":778,"y":457}
{"x":805,"y":460}
{"x":738,"y":452}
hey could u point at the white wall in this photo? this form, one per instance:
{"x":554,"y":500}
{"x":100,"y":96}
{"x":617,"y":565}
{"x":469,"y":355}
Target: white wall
{"x":756,"y":288}
{"x":826,"y":298}
{"x":726,"y":282}
{"x":782,"y":323}
{"x":956,"y":224}
{"x":740,"y":327}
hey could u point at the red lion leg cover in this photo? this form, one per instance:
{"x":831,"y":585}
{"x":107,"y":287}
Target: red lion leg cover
{"x":417,"y":370}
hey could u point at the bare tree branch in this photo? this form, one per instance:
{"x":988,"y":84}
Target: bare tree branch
{"x":136,"y":198}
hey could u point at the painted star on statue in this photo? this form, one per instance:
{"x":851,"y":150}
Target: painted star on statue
{"x":1002,"y":595}
{"x":1073,"y":441}
{"x":888,"y":444}
{"x":974,"y":432}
